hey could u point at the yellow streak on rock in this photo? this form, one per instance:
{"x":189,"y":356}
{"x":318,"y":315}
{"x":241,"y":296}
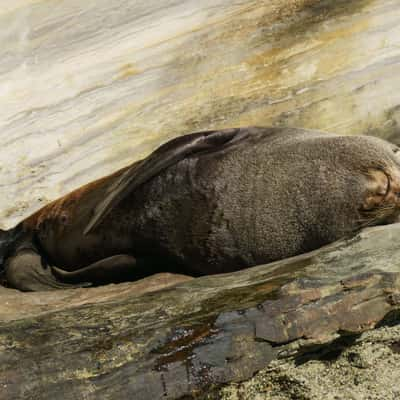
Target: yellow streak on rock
{"x":126,"y":71}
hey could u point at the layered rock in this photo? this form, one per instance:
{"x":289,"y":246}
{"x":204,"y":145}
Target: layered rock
{"x":148,"y":339}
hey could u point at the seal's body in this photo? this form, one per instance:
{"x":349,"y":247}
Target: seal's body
{"x":218,"y":201}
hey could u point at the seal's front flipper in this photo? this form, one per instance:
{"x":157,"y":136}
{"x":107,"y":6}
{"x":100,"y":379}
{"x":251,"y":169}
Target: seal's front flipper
{"x":168,"y":154}
{"x":25,"y":271}
{"x":113,"y":269}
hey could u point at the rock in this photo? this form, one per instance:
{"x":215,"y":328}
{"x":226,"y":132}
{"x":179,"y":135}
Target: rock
{"x":332,"y":376}
{"x":145,"y":340}
{"x":16,"y":305}
{"x":88,"y":87}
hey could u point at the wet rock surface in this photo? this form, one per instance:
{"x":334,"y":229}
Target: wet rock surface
{"x":173,"y":337}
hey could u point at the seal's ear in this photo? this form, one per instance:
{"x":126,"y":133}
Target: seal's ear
{"x":168,"y":154}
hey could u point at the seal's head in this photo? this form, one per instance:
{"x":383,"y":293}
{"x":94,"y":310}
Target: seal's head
{"x":339,"y":184}
{"x":382,"y":200}
{"x":381,"y":203}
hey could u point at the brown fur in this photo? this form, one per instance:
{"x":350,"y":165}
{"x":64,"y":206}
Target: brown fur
{"x":266,"y":194}
{"x":277,"y":197}
{"x":67,"y":207}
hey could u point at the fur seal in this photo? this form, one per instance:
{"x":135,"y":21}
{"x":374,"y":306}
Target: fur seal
{"x":205,"y":203}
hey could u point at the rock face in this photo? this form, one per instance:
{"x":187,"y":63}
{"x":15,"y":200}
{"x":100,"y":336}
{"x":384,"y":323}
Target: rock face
{"x":151,"y":340}
{"x":88,"y":87}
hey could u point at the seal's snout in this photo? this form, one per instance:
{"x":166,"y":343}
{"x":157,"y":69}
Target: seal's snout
{"x":393,"y":194}
{"x":378,"y":189}
{"x":383,"y":194}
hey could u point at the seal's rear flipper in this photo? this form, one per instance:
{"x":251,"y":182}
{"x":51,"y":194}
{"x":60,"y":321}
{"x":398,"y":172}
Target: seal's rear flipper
{"x":108,"y":270}
{"x":168,"y":154}
{"x":25,"y":271}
